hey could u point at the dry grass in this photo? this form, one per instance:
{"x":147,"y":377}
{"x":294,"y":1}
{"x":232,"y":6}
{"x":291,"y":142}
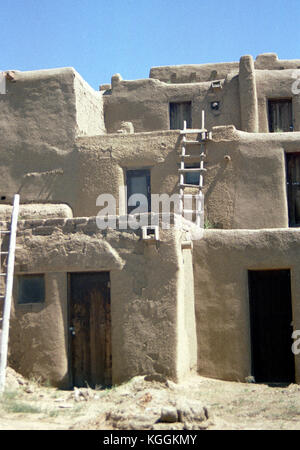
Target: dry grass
{"x":232,"y":405}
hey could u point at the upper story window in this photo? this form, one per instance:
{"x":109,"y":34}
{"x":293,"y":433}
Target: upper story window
{"x":180,"y":112}
{"x":280,"y":115}
{"x":31,"y":289}
{"x":293,"y":188}
{"x":138,"y":182}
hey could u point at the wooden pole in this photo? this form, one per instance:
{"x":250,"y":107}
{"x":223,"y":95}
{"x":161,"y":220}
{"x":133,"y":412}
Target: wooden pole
{"x":8,"y":291}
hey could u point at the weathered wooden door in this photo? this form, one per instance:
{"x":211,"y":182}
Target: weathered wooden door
{"x":271,"y":329}
{"x":293,"y":188}
{"x":90,"y":329}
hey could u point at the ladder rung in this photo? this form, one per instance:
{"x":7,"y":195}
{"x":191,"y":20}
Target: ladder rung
{"x":197,"y":169}
{"x":3,"y":253}
{"x":192,"y":196}
{"x":202,"y":155}
{"x":191,"y":185}
{"x":3,"y":274}
{"x":193,"y":211}
{"x":193,"y":131}
{"x":4,"y":232}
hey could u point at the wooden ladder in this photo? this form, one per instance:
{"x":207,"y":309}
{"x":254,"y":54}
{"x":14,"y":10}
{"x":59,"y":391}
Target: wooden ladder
{"x":204,"y":136}
{"x":7,"y":281}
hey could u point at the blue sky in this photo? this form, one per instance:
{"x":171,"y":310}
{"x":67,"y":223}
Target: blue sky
{"x":100,"y":37}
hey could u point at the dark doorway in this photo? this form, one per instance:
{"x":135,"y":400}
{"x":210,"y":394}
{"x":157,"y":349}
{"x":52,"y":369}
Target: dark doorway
{"x":293,"y":188}
{"x":90,"y":329}
{"x":280,"y":115}
{"x":271,"y":329}
{"x":138,"y":182}
{"x":178,"y":113}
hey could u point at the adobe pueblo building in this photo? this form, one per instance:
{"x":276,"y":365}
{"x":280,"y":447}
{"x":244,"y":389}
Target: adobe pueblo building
{"x":219,"y":294}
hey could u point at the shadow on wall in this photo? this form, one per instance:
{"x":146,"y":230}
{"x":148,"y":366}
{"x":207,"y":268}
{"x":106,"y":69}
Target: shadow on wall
{"x":43,"y":181}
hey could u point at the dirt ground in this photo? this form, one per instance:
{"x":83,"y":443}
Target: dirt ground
{"x":138,"y":404}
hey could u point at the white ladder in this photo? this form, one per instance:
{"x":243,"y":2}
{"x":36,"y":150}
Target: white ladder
{"x":7,"y":279}
{"x":204,"y":136}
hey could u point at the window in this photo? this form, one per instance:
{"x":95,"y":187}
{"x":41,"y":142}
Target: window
{"x":180,"y":112}
{"x":31,"y":289}
{"x":280,"y":115}
{"x":293,"y":188}
{"x":138,"y":182}
{"x":192,"y":177}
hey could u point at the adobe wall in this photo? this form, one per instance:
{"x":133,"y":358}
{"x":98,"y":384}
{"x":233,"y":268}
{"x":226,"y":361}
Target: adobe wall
{"x":221,"y":262}
{"x":145,"y":293}
{"x":40,"y":116}
{"x":244,"y":186}
{"x":274,"y":84}
{"x":49,"y":107}
{"x":185,"y":73}
{"x":245,"y":183}
{"x":89,"y":109}
{"x":39,"y":107}
{"x":103,"y":160}
{"x":245,"y":87}
{"x":94,"y":166}
{"x":145,"y":103}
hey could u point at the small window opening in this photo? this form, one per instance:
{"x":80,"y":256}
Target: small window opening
{"x":293,"y":188}
{"x":280,"y":115}
{"x":31,"y":289}
{"x":138,"y":182}
{"x":180,"y":112}
{"x":192,"y":177}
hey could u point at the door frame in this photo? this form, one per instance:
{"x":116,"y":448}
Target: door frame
{"x":69,"y":336}
{"x":251,"y":331}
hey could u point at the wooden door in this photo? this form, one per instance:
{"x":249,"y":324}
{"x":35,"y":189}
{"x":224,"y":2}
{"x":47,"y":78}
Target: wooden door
{"x":90,"y":329}
{"x":271,"y":329}
{"x":293,"y":188}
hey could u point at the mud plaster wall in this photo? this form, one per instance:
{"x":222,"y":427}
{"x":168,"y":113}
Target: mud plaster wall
{"x":39,"y":107}
{"x":89,"y":109}
{"x":187,"y":356}
{"x":245,"y":183}
{"x":245,"y":88}
{"x":40,"y":116}
{"x":244,"y":186}
{"x":204,"y":72}
{"x":276,"y":84}
{"x":221,"y":262}
{"x":103,"y":161}
{"x":145,"y":103}
{"x":144,"y":296}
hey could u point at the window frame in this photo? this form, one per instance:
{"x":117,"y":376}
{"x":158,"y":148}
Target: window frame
{"x":189,"y":121}
{"x":135,"y":172}
{"x":271,"y":101}
{"x":21,"y":279}
{"x":195,"y":165}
